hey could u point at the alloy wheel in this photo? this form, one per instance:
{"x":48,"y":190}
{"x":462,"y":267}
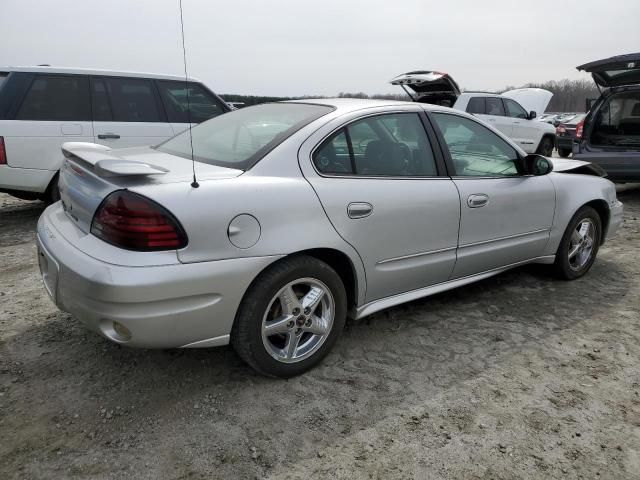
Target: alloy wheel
{"x":581,"y":244}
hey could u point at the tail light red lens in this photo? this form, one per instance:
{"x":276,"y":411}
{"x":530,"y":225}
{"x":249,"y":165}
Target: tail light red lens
{"x":579,"y":129}
{"x":133,"y":222}
{"x":3,"y":152}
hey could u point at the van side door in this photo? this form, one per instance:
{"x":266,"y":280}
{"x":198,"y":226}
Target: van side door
{"x":127,"y":112}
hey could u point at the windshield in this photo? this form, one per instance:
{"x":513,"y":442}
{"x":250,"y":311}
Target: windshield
{"x":240,"y":138}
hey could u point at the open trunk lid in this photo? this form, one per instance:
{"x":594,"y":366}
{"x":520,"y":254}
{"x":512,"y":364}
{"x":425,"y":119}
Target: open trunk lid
{"x":427,"y":86}
{"x":531,"y":99}
{"x":615,"y":71}
{"x":90,"y":172}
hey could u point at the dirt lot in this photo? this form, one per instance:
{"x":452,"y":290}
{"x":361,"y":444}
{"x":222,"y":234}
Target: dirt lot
{"x":519,"y":376}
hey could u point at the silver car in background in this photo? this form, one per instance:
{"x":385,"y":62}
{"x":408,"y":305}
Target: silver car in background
{"x":304,"y":213}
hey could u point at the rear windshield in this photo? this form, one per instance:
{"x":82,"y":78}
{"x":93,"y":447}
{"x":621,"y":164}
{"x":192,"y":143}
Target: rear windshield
{"x":240,"y":138}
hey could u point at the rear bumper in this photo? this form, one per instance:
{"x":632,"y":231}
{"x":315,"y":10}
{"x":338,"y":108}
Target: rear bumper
{"x":163,"y":306}
{"x":564,"y":142}
{"x":14,"y":179}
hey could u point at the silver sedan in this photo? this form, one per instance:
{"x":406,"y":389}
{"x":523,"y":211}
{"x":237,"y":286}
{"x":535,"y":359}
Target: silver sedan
{"x":267,"y":226}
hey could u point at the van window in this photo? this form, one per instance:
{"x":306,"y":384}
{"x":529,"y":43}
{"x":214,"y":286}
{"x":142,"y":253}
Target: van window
{"x":176,"y":102}
{"x":57,"y":97}
{"x":133,"y":100}
{"x":100,"y":102}
{"x":3,"y":77}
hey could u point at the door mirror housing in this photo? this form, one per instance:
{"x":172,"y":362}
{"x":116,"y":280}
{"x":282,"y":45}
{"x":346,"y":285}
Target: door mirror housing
{"x":536,"y":165}
{"x":532,"y":115}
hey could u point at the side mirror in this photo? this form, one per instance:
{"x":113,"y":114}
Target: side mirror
{"x":532,"y":115}
{"x":536,"y":165}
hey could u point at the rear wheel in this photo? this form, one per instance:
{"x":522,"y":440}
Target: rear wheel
{"x":52,"y":194}
{"x":546,"y":147}
{"x":290,"y":317}
{"x":564,"y":152}
{"x":579,"y":245}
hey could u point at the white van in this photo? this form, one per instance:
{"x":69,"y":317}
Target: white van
{"x":43,"y":107}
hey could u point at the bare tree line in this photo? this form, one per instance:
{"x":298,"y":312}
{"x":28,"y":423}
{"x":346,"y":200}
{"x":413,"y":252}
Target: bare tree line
{"x":568,"y":95}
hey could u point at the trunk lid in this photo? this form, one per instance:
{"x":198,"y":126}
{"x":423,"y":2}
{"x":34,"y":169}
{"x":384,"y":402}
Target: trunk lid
{"x":615,"y":71}
{"x":90,"y":172}
{"x":428,"y":86}
{"x":531,"y":99}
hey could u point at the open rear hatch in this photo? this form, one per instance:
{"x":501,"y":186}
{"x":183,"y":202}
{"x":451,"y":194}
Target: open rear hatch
{"x":615,"y":71}
{"x":427,"y":86}
{"x":90,"y":172}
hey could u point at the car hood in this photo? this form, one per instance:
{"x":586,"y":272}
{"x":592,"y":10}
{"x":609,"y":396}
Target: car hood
{"x":615,"y":71}
{"x":531,"y":99}
{"x":427,"y":82}
{"x":565,"y":165}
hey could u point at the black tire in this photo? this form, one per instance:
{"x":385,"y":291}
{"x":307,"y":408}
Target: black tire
{"x":564,"y":152}
{"x":52,"y":194}
{"x":562,"y":266}
{"x":246,"y":335}
{"x":546,"y":147}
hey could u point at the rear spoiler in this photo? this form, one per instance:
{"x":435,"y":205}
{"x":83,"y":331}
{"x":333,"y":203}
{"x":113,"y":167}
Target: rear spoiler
{"x":106,"y":164}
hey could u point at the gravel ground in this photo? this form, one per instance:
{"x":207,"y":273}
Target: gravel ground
{"x":518,"y":376}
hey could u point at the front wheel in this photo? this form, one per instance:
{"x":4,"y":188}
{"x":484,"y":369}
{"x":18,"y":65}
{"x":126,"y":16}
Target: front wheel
{"x":290,"y":317}
{"x":546,"y":147}
{"x":579,"y":245}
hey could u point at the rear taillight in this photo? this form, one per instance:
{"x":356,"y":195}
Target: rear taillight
{"x":133,"y":222}
{"x":579,"y":129}
{"x":3,"y":152}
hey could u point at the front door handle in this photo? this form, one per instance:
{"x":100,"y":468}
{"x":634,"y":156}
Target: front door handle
{"x":359,"y":209}
{"x":477,"y":200}
{"x":104,"y":136}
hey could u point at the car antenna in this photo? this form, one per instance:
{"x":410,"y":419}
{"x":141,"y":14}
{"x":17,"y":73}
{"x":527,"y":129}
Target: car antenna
{"x":195,"y":183}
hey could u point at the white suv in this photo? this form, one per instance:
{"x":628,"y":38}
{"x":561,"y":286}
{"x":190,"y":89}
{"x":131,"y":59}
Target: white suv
{"x":513,"y":113}
{"x":43,"y":107}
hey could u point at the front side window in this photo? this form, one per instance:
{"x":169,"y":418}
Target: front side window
{"x":177,"y":96}
{"x":132,"y":100}
{"x":494,"y":106}
{"x":476,"y":105}
{"x":394,"y":145}
{"x":515,"y":110}
{"x":475,"y":150}
{"x":57,"y":97}
{"x":240,"y":138}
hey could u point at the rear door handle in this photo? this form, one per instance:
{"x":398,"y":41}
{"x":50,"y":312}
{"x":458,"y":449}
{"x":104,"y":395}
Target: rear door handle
{"x":359,"y":209}
{"x":477,"y":200}
{"x":104,"y":136}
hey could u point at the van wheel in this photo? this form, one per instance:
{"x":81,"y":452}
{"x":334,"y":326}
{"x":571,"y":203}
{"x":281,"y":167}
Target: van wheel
{"x":546,"y":147}
{"x":579,"y":245}
{"x":52,"y":194}
{"x":564,"y":152}
{"x":290,"y":317}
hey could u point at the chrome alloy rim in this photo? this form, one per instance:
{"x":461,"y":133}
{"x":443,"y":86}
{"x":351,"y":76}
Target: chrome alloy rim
{"x":581,"y":244}
{"x":298,"y":320}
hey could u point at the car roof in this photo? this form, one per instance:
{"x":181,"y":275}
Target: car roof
{"x":94,"y":71}
{"x":346,"y":104}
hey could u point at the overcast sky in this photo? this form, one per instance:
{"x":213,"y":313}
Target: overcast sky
{"x":323,"y":47}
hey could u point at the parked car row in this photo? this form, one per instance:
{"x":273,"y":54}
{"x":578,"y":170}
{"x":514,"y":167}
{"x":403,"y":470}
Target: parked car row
{"x":513,"y":112}
{"x":43,"y":107}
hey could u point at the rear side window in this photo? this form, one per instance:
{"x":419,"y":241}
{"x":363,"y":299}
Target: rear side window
{"x":100,"y":102}
{"x":178,"y":96}
{"x":515,"y":110}
{"x":57,"y":97}
{"x":132,"y":100}
{"x":495,"y":106}
{"x":476,"y":105}
{"x":393,"y":145}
